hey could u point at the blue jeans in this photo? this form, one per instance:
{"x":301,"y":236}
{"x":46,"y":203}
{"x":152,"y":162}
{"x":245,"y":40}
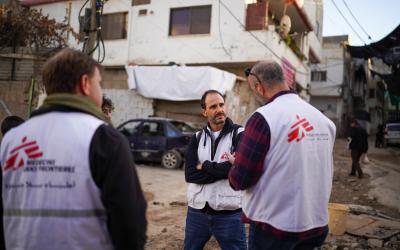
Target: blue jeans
{"x":261,"y":240}
{"x":227,"y":230}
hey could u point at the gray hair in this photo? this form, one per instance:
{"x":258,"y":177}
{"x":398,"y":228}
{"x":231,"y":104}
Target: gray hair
{"x":269,"y":72}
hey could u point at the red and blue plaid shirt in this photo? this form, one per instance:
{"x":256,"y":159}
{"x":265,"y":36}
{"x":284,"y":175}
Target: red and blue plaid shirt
{"x":249,"y":167}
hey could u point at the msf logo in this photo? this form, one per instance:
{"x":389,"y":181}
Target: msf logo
{"x":297,"y":130}
{"x":19,"y":155}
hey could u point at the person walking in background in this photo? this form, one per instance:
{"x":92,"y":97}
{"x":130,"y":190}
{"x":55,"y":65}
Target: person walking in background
{"x":63,"y":186}
{"x":379,"y":139}
{"x":284,"y":162}
{"x":214,"y":207}
{"x":358,"y":145}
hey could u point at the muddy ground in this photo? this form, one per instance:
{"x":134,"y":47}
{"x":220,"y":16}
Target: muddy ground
{"x":380,"y":189}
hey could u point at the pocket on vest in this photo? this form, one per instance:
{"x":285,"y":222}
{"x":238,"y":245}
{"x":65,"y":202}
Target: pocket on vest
{"x":228,"y":199}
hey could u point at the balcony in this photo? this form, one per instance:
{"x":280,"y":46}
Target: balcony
{"x":263,"y":12}
{"x":294,"y":9}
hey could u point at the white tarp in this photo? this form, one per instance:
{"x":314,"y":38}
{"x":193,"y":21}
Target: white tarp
{"x":176,"y":83}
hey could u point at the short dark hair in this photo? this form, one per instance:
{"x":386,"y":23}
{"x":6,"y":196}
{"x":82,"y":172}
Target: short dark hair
{"x":62,"y":72}
{"x":10,"y":122}
{"x":204,"y":96}
{"x":107,"y":103}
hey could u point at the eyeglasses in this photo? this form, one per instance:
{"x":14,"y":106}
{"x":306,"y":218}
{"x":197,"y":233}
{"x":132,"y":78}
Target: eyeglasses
{"x":248,"y":72}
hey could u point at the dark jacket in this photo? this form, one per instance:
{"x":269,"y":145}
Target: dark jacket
{"x":359,"y":139}
{"x":213,"y":171}
{"x":113,"y":171}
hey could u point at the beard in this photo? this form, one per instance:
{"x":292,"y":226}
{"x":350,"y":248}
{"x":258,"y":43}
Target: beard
{"x":219,"y":118}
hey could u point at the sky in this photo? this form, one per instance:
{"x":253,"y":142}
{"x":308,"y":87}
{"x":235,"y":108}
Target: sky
{"x":377,"y":17}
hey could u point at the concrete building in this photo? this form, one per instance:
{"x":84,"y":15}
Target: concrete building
{"x":328,"y":79}
{"x":230,"y":35}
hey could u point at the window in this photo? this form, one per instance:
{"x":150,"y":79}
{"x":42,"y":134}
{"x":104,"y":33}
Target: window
{"x":318,"y":76}
{"x":140,"y":2}
{"x":143,"y":12}
{"x":130,"y":128}
{"x":171,"y":132}
{"x":152,"y":129}
{"x":183,"y":127}
{"x":114,"y":26}
{"x":192,"y":20}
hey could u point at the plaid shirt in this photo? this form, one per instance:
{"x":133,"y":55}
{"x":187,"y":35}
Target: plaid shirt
{"x":249,"y":167}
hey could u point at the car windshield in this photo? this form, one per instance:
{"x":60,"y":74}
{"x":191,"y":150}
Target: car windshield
{"x":130,"y":128}
{"x":183,"y":127}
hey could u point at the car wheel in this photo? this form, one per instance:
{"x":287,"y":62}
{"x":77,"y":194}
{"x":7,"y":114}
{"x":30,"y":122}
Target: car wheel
{"x":171,"y":159}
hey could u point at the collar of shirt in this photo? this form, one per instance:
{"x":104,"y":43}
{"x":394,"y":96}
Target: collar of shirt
{"x":280,"y":93}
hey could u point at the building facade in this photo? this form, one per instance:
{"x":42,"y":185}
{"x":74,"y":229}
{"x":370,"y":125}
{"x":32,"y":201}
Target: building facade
{"x":230,"y":35}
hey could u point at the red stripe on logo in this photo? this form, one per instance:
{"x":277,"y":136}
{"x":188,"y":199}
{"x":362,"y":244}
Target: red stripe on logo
{"x":299,"y":122}
{"x":31,"y":149}
{"x":22,"y":146}
{"x":34,"y":156}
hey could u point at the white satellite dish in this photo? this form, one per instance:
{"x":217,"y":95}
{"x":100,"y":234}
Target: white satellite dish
{"x":285,"y":25}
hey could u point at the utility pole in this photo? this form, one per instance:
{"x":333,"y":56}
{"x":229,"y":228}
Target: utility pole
{"x":93,"y":28}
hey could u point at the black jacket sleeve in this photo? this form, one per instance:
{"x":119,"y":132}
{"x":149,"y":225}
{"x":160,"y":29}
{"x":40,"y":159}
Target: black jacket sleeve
{"x":114,"y":172}
{"x":192,"y":175}
{"x":221,"y":170}
{"x":218,"y":170}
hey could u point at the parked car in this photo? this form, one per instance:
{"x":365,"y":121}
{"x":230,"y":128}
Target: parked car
{"x":392,"y":133}
{"x":158,"y":140}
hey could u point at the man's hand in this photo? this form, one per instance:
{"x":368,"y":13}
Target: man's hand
{"x":231,"y":157}
{"x":199,"y":166}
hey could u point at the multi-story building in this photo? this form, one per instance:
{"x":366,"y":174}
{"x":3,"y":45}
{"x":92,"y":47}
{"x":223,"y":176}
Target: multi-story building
{"x":329,"y":78}
{"x":230,"y":35}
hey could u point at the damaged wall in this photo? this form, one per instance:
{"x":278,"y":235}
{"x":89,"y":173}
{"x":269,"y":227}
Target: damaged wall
{"x":240,"y":103}
{"x":128,"y":103}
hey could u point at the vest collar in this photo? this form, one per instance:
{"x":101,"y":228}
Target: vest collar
{"x":280,"y":93}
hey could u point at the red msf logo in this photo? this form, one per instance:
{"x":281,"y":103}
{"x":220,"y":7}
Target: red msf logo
{"x":297,"y":130}
{"x":27,"y":150}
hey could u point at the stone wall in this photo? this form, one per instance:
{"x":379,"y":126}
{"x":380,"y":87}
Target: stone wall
{"x":15,"y":78}
{"x":14,"y":95}
{"x":128,"y":105}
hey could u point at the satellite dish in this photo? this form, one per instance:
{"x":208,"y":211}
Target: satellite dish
{"x":285,"y":25}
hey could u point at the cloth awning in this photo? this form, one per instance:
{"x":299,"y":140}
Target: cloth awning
{"x":378,"y":49}
{"x":176,"y":83}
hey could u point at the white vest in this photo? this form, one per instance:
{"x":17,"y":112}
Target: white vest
{"x":219,"y":195}
{"x":293,"y":192}
{"x":50,"y":199}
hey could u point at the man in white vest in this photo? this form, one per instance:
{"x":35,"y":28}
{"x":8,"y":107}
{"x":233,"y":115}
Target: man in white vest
{"x":68,"y":178}
{"x":214,"y":207}
{"x":284,"y":164}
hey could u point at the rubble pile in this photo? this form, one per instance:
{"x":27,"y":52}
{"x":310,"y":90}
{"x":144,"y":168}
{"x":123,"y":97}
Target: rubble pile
{"x":366,"y":228}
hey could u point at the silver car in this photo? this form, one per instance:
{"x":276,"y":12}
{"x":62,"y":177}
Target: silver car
{"x":392,"y":133}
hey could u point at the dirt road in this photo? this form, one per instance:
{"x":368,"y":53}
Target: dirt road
{"x":166,"y":193}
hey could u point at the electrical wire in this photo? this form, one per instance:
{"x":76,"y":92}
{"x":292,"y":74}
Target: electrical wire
{"x":219,"y":29}
{"x":256,"y":38}
{"x":80,"y":12}
{"x":348,"y":8}
{"x":347,"y":21}
{"x":80,"y":25}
